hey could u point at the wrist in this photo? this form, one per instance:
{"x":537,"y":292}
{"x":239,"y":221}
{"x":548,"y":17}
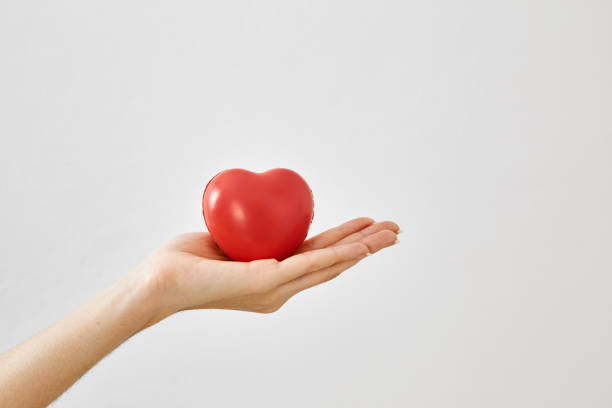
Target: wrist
{"x":147,"y":292}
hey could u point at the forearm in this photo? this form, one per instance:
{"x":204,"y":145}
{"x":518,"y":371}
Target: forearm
{"x":36,"y":372}
{"x":189,"y":272}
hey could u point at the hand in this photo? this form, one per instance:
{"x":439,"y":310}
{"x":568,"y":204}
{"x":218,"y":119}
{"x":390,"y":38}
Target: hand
{"x":191,"y":272}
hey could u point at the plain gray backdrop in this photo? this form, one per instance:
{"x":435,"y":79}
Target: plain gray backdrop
{"x":482,"y":127}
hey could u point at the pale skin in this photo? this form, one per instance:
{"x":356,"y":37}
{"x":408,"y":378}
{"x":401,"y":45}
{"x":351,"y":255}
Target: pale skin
{"x":189,"y":272}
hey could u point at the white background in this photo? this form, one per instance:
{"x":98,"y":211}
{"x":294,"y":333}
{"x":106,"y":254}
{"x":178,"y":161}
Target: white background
{"x":482,"y":127}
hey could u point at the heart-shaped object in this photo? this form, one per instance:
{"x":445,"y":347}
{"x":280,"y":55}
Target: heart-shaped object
{"x":258,"y":215}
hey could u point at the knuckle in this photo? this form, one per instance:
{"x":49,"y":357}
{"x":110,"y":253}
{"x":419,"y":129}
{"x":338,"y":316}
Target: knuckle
{"x":309,"y":260}
{"x":334,"y":254}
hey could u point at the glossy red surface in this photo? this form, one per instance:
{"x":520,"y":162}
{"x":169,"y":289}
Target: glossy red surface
{"x":258,"y":215}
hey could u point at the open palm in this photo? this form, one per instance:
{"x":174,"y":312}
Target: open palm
{"x":192,"y":272}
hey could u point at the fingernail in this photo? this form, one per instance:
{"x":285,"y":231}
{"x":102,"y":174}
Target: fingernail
{"x":396,"y":241}
{"x":399,"y":231}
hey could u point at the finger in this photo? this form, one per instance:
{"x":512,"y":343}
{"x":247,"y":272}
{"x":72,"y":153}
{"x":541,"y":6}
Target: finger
{"x":375,"y":242}
{"x":379,"y":240}
{"x":298,"y":265}
{"x":335,"y":234}
{"x":315,"y":278}
{"x":372,"y":229}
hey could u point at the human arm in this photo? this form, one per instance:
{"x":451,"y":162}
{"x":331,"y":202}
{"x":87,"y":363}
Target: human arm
{"x":190,"y":272}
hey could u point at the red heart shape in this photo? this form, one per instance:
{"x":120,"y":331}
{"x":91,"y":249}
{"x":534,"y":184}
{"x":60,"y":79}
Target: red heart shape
{"x":258,"y":215}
